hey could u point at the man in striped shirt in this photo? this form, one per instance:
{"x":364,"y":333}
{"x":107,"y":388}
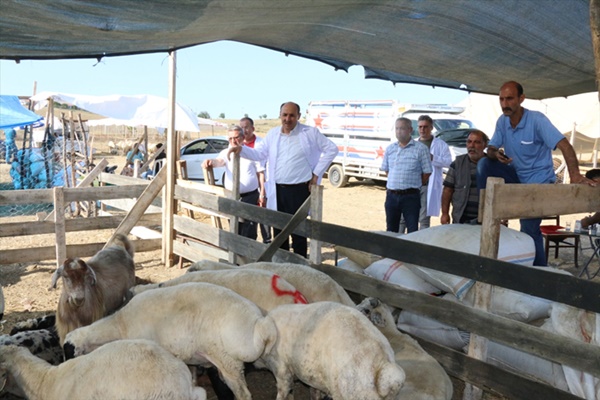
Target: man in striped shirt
{"x":407,"y":164}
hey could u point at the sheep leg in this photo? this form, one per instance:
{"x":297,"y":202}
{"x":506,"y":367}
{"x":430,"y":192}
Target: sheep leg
{"x":219,"y":387}
{"x":284,"y":386}
{"x":235,"y":379}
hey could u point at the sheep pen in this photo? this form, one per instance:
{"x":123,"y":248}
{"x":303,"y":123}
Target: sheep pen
{"x":25,"y":284}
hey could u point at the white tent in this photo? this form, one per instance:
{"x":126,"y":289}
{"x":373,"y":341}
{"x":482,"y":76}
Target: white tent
{"x":136,"y":110}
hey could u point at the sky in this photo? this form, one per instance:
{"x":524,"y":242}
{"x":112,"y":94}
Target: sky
{"x":222,"y":77}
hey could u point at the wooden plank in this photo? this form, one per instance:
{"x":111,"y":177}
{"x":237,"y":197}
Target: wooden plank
{"x":103,"y":193}
{"x":580,"y":293}
{"x":542,"y":200}
{"x":74,"y":250}
{"x":218,"y":190}
{"x":30,"y":196}
{"x":127,"y":205}
{"x":583,"y":356}
{"x":299,"y":216}
{"x":196,"y":251}
{"x":489,"y":242}
{"x":496,"y":379}
{"x":59,"y":226}
{"x":250,"y":249}
{"x":316,"y":214}
{"x":120,"y":180}
{"x":133,"y":216}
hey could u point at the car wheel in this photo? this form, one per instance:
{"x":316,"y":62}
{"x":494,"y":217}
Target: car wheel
{"x":336,"y":176}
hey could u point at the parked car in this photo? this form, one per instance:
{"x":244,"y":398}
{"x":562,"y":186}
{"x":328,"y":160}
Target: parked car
{"x":196,"y":151}
{"x":456,"y":140}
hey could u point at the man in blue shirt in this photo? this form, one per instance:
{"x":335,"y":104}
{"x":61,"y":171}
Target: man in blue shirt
{"x":407,"y":164}
{"x":527,"y":138}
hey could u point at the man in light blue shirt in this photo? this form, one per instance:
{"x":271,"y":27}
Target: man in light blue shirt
{"x":528,"y":138}
{"x":407,"y":164}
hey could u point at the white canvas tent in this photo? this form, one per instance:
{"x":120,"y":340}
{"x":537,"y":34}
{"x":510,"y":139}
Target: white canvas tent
{"x":580,"y":112}
{"x":138,"y":110}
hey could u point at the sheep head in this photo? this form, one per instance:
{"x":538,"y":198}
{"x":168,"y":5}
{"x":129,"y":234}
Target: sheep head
{"x":77,"y":278}
{"x":375,"y":310}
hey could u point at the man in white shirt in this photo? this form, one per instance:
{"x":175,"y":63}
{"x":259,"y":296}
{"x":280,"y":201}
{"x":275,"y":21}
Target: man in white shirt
{"x":250,"y":140}
{"x":297,"y":155}
{"x":249,"y":184}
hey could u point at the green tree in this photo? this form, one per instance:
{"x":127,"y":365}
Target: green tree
{"x":222,"y":115}
{"x":204,"y":114}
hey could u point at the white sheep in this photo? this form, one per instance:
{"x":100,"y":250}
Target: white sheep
{"x":94,"y":289}
{"x":265,"y":289}
{"x":200,"y":323}
{"x":425,"y":377}
{"x":124,"y":370}
{"x":313,"y":284}
{"x":334,"y":349}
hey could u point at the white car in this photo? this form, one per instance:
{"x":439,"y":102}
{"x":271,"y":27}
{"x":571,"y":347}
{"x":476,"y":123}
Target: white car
{"x":196,"y":151}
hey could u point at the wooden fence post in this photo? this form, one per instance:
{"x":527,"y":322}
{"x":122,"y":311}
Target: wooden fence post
{"x":59,"y":225}
{"x":316,"y":214}
{"x":490,"y":238}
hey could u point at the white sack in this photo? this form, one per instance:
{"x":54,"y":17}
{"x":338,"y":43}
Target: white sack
{"x":515,"y":247}
{"x":349,"y":265}
{"x":395,"y":272}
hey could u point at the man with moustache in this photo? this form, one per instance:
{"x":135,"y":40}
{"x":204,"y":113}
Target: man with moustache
{"x":521,"y":152}
{"x":297,"y":155}
{"x":407,"y":164}
{"x":250,"y":140}
{"x":460,"y":185}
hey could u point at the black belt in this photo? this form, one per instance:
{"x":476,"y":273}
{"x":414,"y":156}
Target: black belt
{"x":249,"y":193}
{"x":292,"y":184}
{"x":405,"y":191}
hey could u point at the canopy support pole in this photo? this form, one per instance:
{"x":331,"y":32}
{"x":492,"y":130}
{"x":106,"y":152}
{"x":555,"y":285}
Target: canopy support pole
{"x":168,"y":191}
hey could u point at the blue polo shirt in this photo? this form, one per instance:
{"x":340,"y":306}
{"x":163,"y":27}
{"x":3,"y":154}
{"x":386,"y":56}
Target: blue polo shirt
{"x":406,"y":165}
{"x":530,"y":145}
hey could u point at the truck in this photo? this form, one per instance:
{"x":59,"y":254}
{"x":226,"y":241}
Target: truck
{"x":363,"y":129}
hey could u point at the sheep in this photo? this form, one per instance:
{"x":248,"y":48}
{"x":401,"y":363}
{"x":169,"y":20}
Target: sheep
{"x":94,"y":289}
{"x":314,"y":285}
{"x":42,"y":343}
{"x":32,"y":324}
{"x":265,"y":289}
{"x":126,"y":369}
{"x":200,"y":323}
{"x":425,"y":377}
{"x":334,"y":349}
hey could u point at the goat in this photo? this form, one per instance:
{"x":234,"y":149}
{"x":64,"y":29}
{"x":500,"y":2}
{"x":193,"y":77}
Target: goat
{"x":94,"y":289}
{"x":425,"y":377}
{"x":126,"y":369}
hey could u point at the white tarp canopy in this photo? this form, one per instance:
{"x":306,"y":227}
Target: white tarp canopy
{"x":135,"y":110}
{"x":582,"y":110}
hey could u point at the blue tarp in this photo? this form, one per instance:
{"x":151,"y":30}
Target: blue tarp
{"x":13,"y":114}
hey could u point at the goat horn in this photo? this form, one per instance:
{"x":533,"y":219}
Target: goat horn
{"x":56,"y":275}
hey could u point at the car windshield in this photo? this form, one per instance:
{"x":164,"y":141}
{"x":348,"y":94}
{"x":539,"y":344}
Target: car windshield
{"x":445,"y":124}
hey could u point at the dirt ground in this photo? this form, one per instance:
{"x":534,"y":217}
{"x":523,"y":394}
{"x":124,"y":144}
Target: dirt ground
{"x":358,"y":205}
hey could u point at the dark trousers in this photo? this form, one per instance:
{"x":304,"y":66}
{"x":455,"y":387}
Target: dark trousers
{"x":531,"y":226}
{"x":289,"y":200}
{"x":248,"y":228}
{"x":402,"y":205}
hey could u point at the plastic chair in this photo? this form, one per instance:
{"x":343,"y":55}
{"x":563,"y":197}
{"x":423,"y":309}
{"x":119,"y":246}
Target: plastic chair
{"x":557,"y":240}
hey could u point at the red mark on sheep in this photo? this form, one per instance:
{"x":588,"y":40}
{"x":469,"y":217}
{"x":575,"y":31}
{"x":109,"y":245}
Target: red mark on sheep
{"x":298,"y":297}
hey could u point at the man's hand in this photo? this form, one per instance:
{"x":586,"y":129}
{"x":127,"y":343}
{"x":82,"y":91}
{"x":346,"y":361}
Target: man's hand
{"x":445,"y":219}
{"x":313,"y":181}
{"x":234,"y":149}
{"x":503,"y":158}
{"x":206,"y":164}
{"x":581,"y":179}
